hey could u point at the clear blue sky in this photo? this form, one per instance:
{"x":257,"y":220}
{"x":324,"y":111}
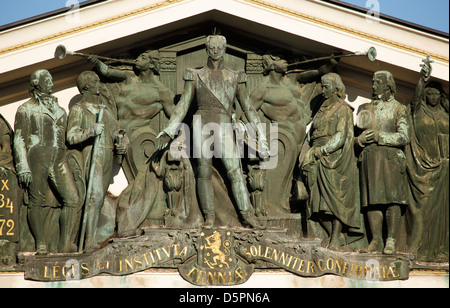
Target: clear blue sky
{"x":431,"y":13}
{"x":15,"y":10}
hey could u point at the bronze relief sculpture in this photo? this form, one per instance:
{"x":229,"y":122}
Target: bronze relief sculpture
{"x":215,"y":88}
{"x":427,"y":166}
{"x":290,"y":104}
{"x":142,"y":104}
{"x":210,"y":221}
{"x":39,"y":152}
{"x":331,"y":170}
{"x":84,"y":126}
{"x":384,"y":186}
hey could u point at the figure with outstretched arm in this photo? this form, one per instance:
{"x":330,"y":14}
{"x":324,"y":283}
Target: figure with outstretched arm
{"x":215,"y":88}
{"x":428,"y":169}
{"x":142,"y":102}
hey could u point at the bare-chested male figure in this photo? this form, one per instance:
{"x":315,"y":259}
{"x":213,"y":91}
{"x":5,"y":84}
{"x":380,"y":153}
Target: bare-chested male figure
{"x":142,"y":96}
{"x":289,"y":103}
{"x":285,"y":102}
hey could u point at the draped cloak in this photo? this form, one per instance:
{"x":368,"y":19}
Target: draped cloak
{"x":428,"y":175}
{"x":333,"y":179}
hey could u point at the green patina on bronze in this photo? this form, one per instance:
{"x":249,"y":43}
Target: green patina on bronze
{"x":364,"y":200}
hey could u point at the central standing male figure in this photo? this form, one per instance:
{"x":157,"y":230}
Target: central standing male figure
{"x":215,"y":88}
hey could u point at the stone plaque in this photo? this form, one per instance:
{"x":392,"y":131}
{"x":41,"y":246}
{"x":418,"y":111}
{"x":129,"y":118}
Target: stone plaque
{"x":215,"y":257}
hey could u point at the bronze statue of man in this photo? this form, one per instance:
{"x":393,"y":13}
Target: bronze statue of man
{"x":143,"y":104}
{"x":81,"y":129}
{"x":215,"y":88}
{"x":331,"y":170}
{"x":384,"y":183}
{"x":142,"y":96}
{"x":289,"y":103}
{"x":39,"y":152}
{"x":285,"y":101}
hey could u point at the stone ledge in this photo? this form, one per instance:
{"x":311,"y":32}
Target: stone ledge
{"x":168,"y":278}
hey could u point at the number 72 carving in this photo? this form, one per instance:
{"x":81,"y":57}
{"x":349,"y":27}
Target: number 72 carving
{"x":9,"y":224}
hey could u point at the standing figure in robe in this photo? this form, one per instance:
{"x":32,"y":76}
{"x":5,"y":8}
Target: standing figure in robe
{"x":82,"y":128}
{"x":428,"y":170}
{"x":331,"y":170}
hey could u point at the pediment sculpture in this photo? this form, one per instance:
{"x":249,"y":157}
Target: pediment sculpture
{"x":224,"y":178}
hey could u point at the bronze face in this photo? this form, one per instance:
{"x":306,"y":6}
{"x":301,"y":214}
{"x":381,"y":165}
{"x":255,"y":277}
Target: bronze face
{"x":433,"y":97}
{"x":93,"y":84}
{"x":379,"y":85}
{"x":143,"y":62}
{"x":215,"y":48}
{"x":328,"y":88}
{"x":46,"y":83}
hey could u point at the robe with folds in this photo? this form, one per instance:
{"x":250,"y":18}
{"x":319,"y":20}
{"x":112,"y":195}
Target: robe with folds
{"x":428,"y":174}
{"x":333,"y":179}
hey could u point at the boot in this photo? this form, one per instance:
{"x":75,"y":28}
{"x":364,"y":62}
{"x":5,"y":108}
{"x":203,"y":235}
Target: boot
{"x":375,"y":222}
{"x":68,"y":221}
{"x":209,"y":220}
{"x":389,"y":249}
{"x":393,"y":215}
{"x":376,"y":245}
{"x":36,"y":220}
{"x":205,"y":194}
{"x":252,"y":221}
{"x":41,"y":249}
